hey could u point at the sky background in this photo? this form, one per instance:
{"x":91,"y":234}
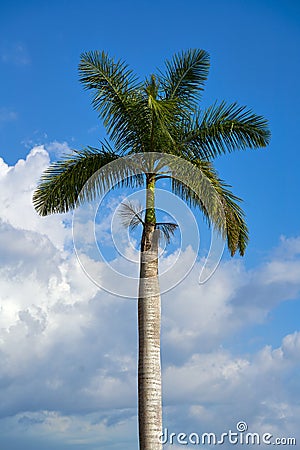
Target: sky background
{"x":230,"y":347}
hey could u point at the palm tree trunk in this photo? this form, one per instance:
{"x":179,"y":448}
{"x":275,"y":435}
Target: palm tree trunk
{"x":149,"y":315}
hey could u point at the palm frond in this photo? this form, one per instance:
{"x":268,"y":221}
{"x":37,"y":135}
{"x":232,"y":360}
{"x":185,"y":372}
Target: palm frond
{"x":76,"y":179}
{"x":131,"y":214}
{"x":183,"y":173}
{"x":167,"y":229}
{"x":224,"y":128}
{"x":163,"y":118}
{"x":234,"y":227}
{"x":116,"y":96}
{"x":185,"y":76}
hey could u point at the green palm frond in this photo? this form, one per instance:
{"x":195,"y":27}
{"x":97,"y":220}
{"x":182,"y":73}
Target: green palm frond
{"x":164,"y":119}
{"x":154,"y":119}
{"x":182,"y":174}
{"x":224,"y":128}
{"x":116,"y":96}
{"x":75,"y":179}
{"x":185,"y":76}
{"x":233,"y":227}
{"x":201,"y":188}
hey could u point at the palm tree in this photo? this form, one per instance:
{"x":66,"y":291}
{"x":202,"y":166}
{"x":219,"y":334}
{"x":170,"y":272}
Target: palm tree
{"x":158,"y":116}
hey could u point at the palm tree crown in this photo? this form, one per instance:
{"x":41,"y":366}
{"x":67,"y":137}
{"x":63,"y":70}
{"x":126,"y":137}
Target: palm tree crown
{"x":160,"y":114}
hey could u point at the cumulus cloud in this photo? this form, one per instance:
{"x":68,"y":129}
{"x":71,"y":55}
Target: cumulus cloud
{"x":17,"y":184}
{"x":217,"y":390}
{"x":68,"y":349}
{"x":199,"y":316}
{"x":57,"y":148}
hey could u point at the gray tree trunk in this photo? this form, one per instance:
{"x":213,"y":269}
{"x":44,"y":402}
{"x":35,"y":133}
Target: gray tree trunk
{"x":149,"y":321}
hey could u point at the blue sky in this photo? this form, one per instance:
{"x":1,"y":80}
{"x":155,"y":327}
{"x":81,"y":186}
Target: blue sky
{"x":68,"y":350}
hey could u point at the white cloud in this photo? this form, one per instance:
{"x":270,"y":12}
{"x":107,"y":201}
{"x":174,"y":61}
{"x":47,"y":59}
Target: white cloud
{"x":214,"y":391}
{"x":199,"y":316}
{"x":68,"y":349}
{"x":17,"y":184}
{"x":58,"y":148}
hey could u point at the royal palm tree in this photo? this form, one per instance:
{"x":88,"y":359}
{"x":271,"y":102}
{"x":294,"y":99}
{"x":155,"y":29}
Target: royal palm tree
{"x":157,"y":116}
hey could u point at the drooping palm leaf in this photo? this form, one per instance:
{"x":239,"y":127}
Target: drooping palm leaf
{"x":167,"y":229}
{"x":197,"y":183}
{"x":76,"y":179}
{"x":183,"y":173}
{"x":131,"y":214}
{"x":233,"y":225}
